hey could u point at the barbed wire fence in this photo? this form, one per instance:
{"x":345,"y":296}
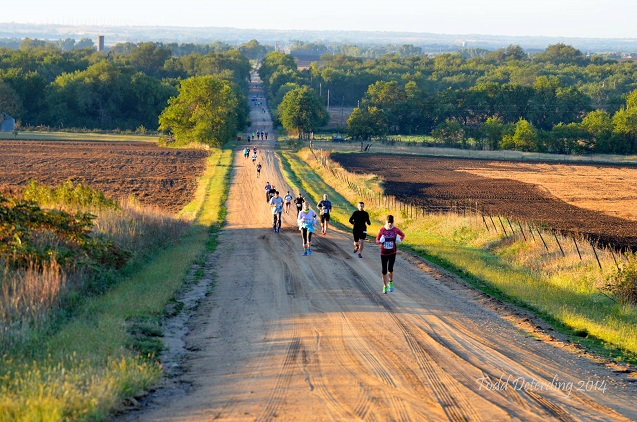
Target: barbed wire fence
{"x":554,"y":241}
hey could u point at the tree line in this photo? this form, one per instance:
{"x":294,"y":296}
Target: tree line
{"x":559,"y":100}
{"x":128,"y":88}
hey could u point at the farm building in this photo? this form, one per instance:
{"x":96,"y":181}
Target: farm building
{"x":7,"y":123}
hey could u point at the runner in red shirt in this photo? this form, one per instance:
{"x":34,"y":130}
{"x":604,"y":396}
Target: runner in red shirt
{"x":387,"y":237}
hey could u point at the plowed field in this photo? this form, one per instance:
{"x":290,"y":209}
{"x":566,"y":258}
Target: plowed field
{"x":156,"y":176}
{"x":597,"y":201}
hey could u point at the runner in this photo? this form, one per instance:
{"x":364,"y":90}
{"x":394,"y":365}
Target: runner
{"x":288,"y":199}
{"x":254,"y":157}
{"x":271,"y":193}
{"x":246,"y":152}
{"x":306,"y":220}
{"x":276,"y":203}
{"x":387,"y":237}
{"x":258,"y":170}
{"x":267,"y":192}
{"x":299,"y":200}
{"x":360,"y":220}
{"x":325,"y":207}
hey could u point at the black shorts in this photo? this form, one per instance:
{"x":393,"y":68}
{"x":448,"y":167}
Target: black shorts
{"x":359,"y":234}
{"x":325,"y":217}
{"x":387,"y":263}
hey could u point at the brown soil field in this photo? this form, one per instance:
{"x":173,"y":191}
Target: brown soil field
{"x":161,"y":177}
{"x":599,"y":202}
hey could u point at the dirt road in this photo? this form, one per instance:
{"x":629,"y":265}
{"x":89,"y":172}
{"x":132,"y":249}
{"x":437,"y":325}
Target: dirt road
{"x":291,"y":337}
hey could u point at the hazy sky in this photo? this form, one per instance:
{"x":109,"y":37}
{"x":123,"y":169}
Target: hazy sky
{"x":570,"y":18}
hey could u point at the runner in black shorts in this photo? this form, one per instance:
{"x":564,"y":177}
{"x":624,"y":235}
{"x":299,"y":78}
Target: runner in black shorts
{"x":325,"y":207}
{"x":360,"y":220}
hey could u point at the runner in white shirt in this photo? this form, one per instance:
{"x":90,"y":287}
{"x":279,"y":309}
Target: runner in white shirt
{"x":306,"y":220}
{"x":288,"y":200}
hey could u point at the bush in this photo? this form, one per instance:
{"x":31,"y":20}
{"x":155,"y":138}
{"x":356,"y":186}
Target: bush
{"x":623,"y":283}
{"x":68,"y":194}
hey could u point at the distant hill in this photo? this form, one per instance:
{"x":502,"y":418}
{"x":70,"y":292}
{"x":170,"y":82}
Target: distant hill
{"x":430,"y":43}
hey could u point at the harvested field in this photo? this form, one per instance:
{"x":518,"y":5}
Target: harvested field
{"x":597,"y":201}
{"x":161,"y":177}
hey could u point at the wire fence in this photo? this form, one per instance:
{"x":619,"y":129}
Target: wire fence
{"x":554,"y":241}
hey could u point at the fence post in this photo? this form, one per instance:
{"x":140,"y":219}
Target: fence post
{"x":531,"y":231}
{"x":613,"y":255}
{"x":558,"y":242}
{"x":577,"y":249}
{"x":540,"y":234}
{"x":485,"y":222}
{"x":596,"y":257}
{"x":522,"y":231}
{"x":503,"y":229}
{"x":493,"y":222}
{"x":512,"y":231}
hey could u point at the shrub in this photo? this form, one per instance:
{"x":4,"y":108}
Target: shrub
{"x":68,"y":194}
{"x":623,"y":282}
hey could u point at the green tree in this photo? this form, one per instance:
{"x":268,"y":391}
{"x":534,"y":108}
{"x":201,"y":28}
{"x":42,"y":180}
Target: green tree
{"x":493,"y":130}
{"x":625,"y":126}
{"x":301,"y":111}
{"x":451,"y":133}
{"x":568,"y":139}
{"x":599,"y":125}
{"x":367,"y":122}
{"x":9,"y":100}
{"x":148,"y":57}
{"x":524,"y":138}
{"x":204,"y":111}
{"x":253,"y":50}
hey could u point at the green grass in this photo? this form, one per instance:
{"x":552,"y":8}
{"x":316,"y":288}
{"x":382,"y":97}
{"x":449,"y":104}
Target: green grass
{"x":85,"y":369}
{"x":315,"y":184}
{"x":76,"y":136}
{"x":565,"y":291}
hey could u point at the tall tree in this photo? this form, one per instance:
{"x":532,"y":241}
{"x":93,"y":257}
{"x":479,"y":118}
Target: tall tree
{"x":204,"y":111}
{"x":367,"y":122}
{"x":301,"y":111}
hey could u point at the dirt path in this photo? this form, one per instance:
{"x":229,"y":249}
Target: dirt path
{"x":297,"y":337}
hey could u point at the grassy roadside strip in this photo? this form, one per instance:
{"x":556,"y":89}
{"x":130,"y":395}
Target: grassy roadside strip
{"x":299,"y":175}
{"x":562,"y":291}
{"x":93,"y":362}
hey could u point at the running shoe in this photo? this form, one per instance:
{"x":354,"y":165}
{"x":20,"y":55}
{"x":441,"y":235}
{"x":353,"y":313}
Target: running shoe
{"x":304,"y":253}
{"x":385,"y":289}
{"x":355,"y":248}
{"x":360,"y":256}
{"x":391,"y":286}
{"x":309,"y":251}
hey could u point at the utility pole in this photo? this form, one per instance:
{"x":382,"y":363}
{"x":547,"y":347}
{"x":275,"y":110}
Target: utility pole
{"x":328,"y":100}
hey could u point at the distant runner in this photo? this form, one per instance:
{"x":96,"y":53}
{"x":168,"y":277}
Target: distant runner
{"x":299,"y":200}
{"x":325,"y":207}
{"x":287,"y":198}
{"x":258,"y":170}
